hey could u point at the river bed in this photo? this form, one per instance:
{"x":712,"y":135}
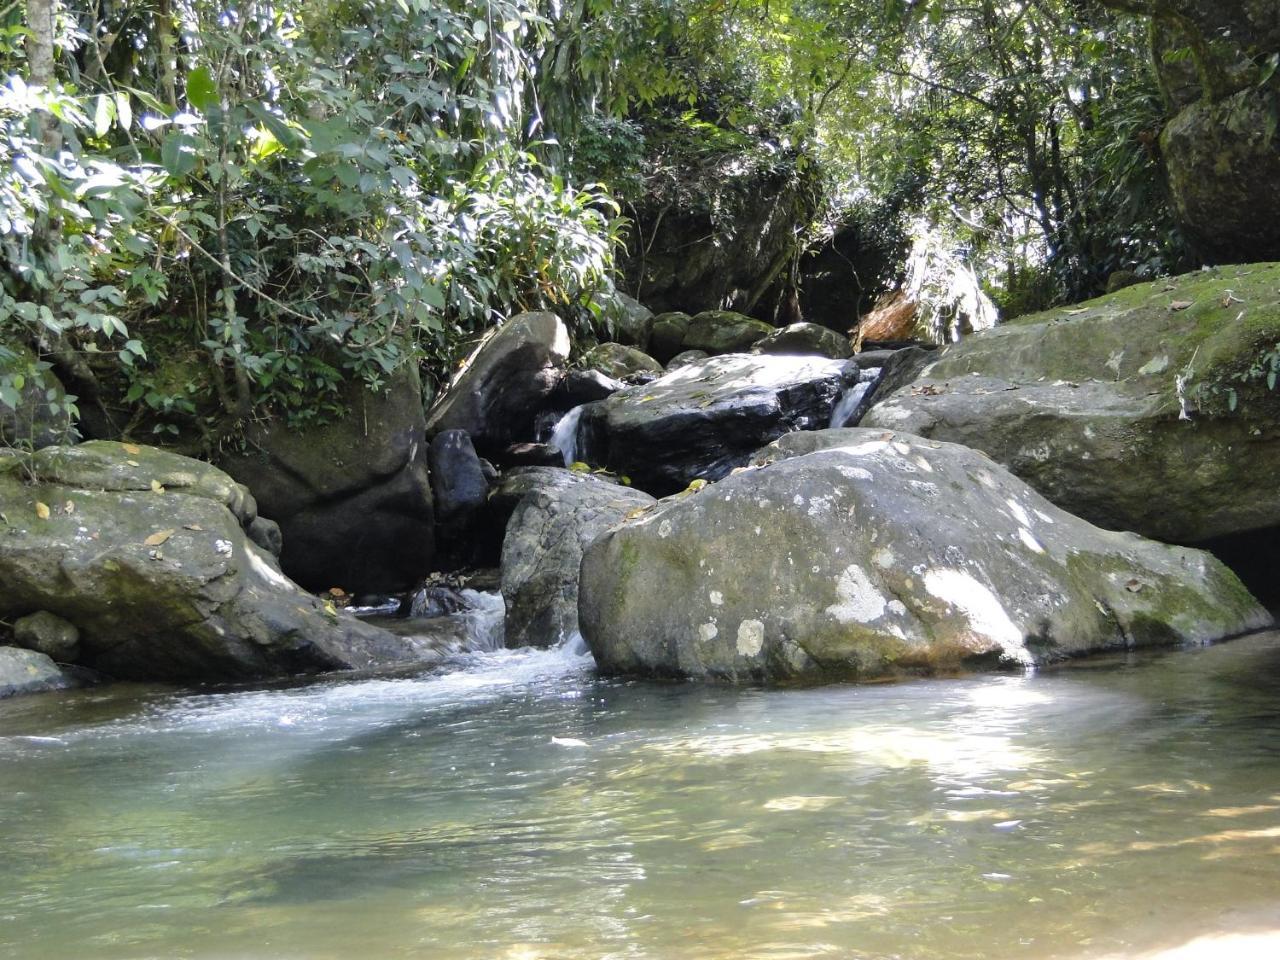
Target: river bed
{"x":516,"y":807}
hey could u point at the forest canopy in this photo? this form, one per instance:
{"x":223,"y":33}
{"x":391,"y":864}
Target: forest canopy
{"x":211,"y":209}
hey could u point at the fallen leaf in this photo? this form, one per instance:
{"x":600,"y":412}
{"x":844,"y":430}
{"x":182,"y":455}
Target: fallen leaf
{"x":1133,"y":586}
{"x":337,"y":592}
{"x":159,"y":537}
{"x":157,"y":486}
{"x":192,"y":526}
{"x":133,"y":463}
{"x":132,"y":448}
{"x":69,"y":507}
{"x":1181,"y":304}
{"x":638,"y":512}
{"x":42,"y":510}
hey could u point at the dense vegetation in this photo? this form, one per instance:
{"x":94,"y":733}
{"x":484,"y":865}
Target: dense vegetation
{"x":210,"y":210}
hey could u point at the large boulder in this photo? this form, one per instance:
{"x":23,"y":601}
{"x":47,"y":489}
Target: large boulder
{"x":553,"y":523}
{"x":701,"y":421}
{"x":145,"y":553}
{"x":806,"y":339}
{"x":1120,"y":410}
{"x":351,"y":495}
{"x":885,"y":556}
{"x":1214,"y":59}
{"x":1223,"y":162}
{"x":504,"y":382}
{"x":717,"y":218}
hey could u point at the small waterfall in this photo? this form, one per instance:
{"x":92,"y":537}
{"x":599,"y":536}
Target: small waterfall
{"x":856,"y":401}
{"x":847,"y":412}
{"x":564,"y":437}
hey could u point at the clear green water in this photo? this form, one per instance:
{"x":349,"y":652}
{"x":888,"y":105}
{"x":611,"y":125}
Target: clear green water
{"x":1105,"y":809}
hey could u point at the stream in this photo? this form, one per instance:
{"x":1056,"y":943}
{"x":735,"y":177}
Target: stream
{"x":517,"y":807}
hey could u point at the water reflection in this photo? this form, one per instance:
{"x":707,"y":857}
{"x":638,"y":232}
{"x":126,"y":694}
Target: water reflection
{"x":520,"y":808}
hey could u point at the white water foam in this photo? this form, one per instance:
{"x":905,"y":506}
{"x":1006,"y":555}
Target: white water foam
{"x":564,"y":435}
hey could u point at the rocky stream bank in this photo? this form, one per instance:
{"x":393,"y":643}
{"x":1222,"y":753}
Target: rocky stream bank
{"x":712,"y":498}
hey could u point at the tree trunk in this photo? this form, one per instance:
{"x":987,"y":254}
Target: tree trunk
{"x":40,"y":18}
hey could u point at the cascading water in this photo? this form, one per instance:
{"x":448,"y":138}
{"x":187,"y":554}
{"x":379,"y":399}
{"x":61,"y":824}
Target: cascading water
{"x":564,"y":436}
{"x":856,"y":401}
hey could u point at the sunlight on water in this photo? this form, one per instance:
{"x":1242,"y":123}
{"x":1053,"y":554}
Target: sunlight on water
{"x":516,"y":807}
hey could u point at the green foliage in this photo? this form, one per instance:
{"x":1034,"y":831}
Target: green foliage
{"x":284,"y":194}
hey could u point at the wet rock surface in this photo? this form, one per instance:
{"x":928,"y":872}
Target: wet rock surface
{"x":701,"y":421}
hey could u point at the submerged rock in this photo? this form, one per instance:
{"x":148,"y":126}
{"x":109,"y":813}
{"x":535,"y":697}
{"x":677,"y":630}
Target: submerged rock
{"x":1088,"y":404}
{"x":701,"y":421}
{"x":541,"y":555}
{"x":29,"y":671}
{"x":504,"y":382}
{"x":887,"y":555}
{"x":351,"y":495}
{"x":146,"y":554}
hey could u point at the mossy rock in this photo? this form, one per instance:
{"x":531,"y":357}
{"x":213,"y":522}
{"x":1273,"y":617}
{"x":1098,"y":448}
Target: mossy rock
{"x":1120,"y":409}
{"x":871,"y":554}
{"x":144,"y":553}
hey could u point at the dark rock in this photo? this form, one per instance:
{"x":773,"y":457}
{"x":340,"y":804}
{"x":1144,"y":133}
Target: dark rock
{"x":551,"y":526}
{"x":460,"y":491}
{"x":722,"y":331}
{"x":583,"y":386}
{"x":531,"y":455}
{"x":716,"y":231}
{"x":29,"y":671}
{"x":686,"y":358}
{"x":504,"y":383}
{"x":634,"y":325}
{"x":49,"y":634}
{"x":669,"y":330}
{"x":266,"y":534}
{"x":885,"y":556}
{"x":450,"y":620}
{"x":617,"y":361}
{"x":701,"y":421}
{"x":457,"y":479}
{"x":806,"y":339}
{"x":352,"y":497}
{"x":1086,"y":405}
{"x":161,"y":579}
